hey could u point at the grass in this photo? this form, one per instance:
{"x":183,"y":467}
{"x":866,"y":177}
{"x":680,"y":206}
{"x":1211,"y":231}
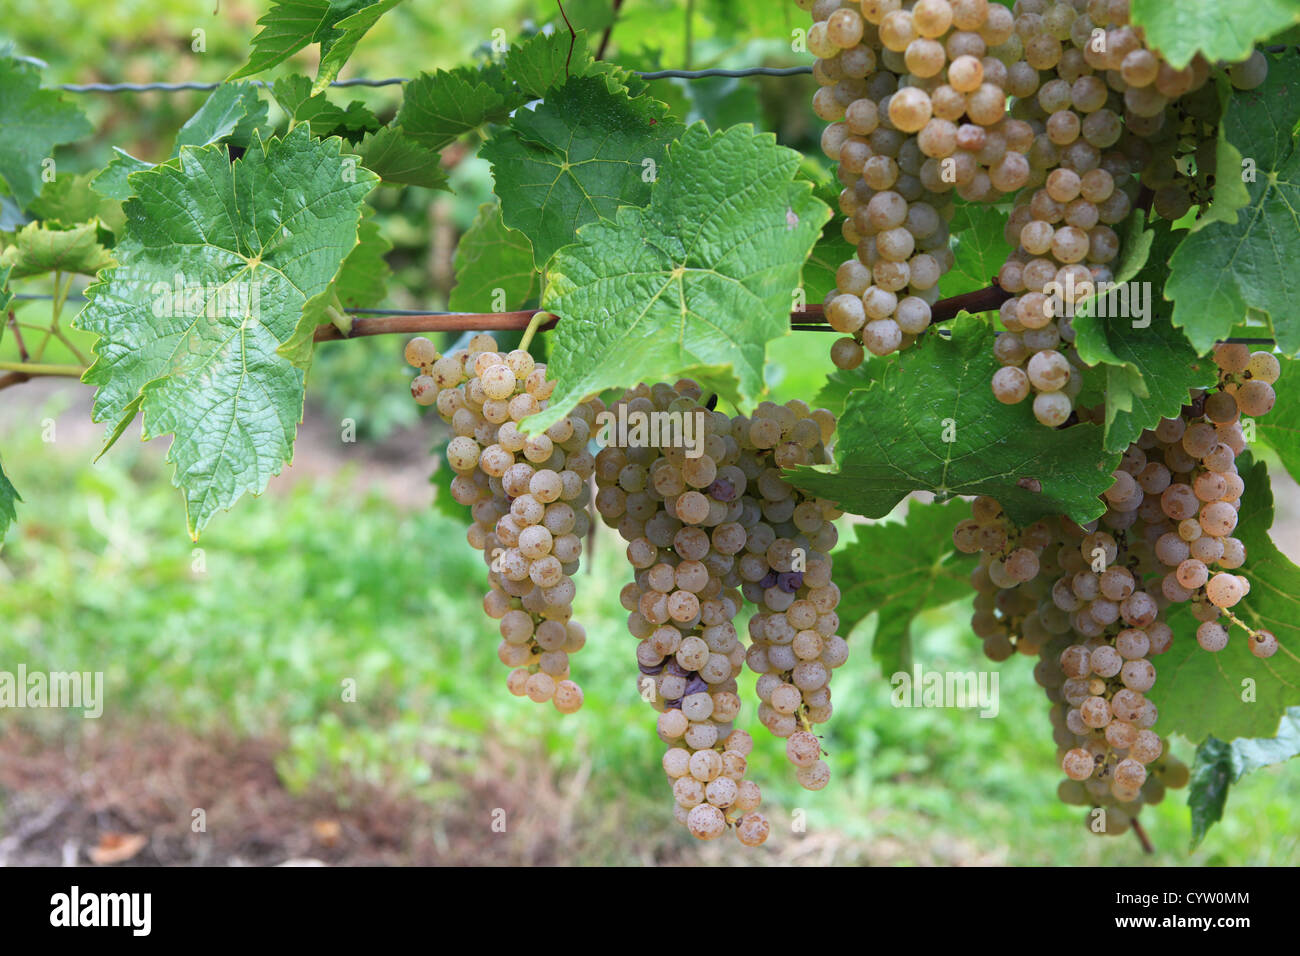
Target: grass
{"x":313,"y":589}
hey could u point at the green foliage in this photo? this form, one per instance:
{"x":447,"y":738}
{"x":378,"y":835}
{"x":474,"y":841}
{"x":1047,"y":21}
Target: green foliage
{"x":831,"y":248}
{"x":297,"y":98}
{"x":36,"y":249}
{"x":276,"y":223}
{"x":1233,"y":693}
{"x":489,"y":257}
{"x":1227,"y":271}
{"x":232,"y":112}
{"x":897,"y":569}
{"x":1280,"y":428}
{"x":979,"y":250}
{"x":397,"y":159}
{"x":437,"y":108}
{"x":291,"y":25}
{"x":363,"y":278}
{"x":581,"y":154}
{"x":547,"y":60}
{"x":1218,"y":31}
{"x":68,"y":200}
{"x":697,"y":283}
{"x":1220,"y":764}
{"x":9,"y":497}
{"x":1149,"y":367}
{"x":930,"y":422}
{"x":34,"y":122}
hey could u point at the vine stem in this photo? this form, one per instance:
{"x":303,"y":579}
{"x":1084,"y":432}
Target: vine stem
{"x":810,"y":318}
{"x":535,"y":323}
{"x":604,"y":39}
{"x":36,"y":368}
{"x":1142,"y":837}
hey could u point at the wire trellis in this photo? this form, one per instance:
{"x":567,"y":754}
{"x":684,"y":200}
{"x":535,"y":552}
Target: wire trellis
{"x":396,"y":80}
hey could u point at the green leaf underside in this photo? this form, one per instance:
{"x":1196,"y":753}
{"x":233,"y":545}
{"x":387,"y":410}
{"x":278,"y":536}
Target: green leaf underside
{"x":439,"y":107}
{"x":1150,"y":369}
{"x":271,"y":228}
{"x":1226,"y":271}
{"x":891,"y":440}
{"x":34,"y":122}
{"x":112,"y":179}
{"x":900,"y":569}
{"x":362,"y":281}
{"x":291,"y":25}
{"x":575,"y":159}
{"x":295,"y":96}
{"x":1181,"y":28}
{"x":232,"y":112}
{"x":831,"y":250}
{"x":343,"y":41}
{"x":397,"y":159}
{"x":68,"y":201}
{"x":1230,"y":192}
{"x":1280,"y":428}
{"x":9,"y":497}
{"x":1219,"y":764}
{"x":490,"y":257}
{"x":36,"y":249}
{"x":697,"y":283}
{"x":1201,"y":694}
{"x":980,"y":249}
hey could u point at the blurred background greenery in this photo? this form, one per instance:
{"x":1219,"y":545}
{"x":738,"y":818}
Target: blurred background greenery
{"x":344,"y":571}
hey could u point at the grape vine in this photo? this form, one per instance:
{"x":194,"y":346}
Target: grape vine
{"x":1061,"y":224}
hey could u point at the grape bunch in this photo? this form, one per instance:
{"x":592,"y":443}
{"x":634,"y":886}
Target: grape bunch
{"x":916,"y":96}
{"x":1090,"y":600}
{"x":704,"y":534}
{"x":528,"y":497}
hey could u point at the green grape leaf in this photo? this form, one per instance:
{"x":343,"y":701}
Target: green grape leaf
{"x":979,"y":249}
{"x":1280,"y":428}
{"x":1233,"y":693}
{"x":696,"y":283}
{"x":1230,"y":192}
{"x":291,"y":25}
{"x":439,"y":107}
{"x":835,"y":393}
{"x":335,"y":50}
{"x":397,"y":159}
{"x":546,"y":60}
{"x":831,"y":249}
{"x":1226,"y":271}
{"x":68,"y":200}
{"x":494,"y":266}
{"x":232,"y":112}
{"x":577,"y":157}
{"x":899,"y":569}
{"x":932,"y":423}
{"x":35,"y":249}
{"x":34,"y":122}
{"x":363,"y":278}
{"x":111,"y":181}
{"x":9,"y":498}
{"x":295,"y":96}
{"x":1149,"y":365}
{"x":1219,"y":764}
{"x":1181,"y":28}
{"x":287,"y":28}
{"x":220,"y":264}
